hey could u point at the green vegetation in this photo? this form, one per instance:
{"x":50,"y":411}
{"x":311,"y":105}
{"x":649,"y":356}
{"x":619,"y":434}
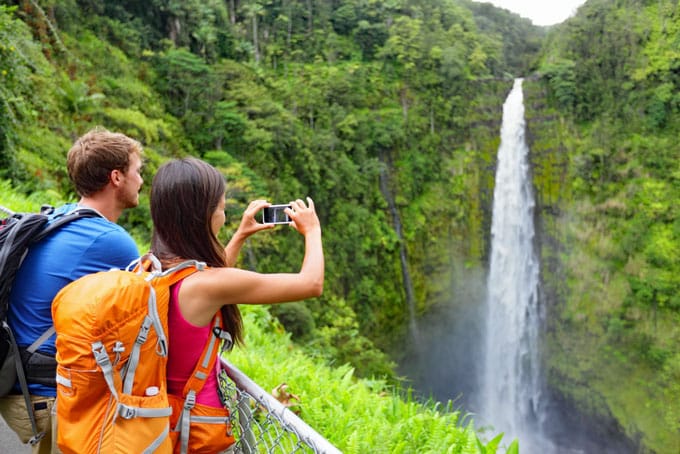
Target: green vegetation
{"x":290,"y":99}
{"x":381,"y":110}
{"x":343,"y":408}
{"x":357,"y":104}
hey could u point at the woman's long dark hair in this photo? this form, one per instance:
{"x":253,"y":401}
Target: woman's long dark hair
{"x":184,"y":195}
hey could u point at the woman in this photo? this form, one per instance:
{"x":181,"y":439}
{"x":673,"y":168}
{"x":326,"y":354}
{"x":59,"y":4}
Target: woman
{"x":187,"y":208}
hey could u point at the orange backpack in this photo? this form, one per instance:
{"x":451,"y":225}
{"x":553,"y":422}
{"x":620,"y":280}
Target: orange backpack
{"x":197,"y":428}
{"x":111,"y":358}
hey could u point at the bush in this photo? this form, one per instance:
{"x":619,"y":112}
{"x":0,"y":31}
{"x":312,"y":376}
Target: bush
{"x":296,"y":318}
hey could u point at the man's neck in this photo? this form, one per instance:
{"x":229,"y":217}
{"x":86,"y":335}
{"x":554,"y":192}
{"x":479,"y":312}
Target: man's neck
{"x":105,"y":207}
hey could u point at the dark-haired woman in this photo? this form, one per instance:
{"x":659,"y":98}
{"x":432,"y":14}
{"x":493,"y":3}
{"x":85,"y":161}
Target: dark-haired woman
{"x":187,"y":208}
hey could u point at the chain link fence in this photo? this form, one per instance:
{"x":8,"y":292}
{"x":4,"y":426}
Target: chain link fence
{"x":262,"y":424}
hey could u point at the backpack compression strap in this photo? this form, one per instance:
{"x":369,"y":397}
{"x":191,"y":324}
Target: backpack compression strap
{"x":204,"y":366}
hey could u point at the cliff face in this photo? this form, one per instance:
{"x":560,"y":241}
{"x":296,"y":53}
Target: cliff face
{"x":590,"y":373}
{"x":447,"y":258}
{"x":574,"y":402}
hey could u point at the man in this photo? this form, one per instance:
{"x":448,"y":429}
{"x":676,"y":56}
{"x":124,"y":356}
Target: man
{"x":105,"y":169}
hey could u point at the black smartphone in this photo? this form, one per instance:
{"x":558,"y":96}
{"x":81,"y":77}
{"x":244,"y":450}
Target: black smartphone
{"x":274,"y":214}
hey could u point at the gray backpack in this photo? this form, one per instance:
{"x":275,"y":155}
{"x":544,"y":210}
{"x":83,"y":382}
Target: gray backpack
{"x":18,"y":232}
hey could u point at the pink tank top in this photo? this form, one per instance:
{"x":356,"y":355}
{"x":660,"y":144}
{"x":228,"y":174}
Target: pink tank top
{"x":186,"y":343}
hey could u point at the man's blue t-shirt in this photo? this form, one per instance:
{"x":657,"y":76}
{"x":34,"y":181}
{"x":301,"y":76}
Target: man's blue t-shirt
{"x":80,"y":247}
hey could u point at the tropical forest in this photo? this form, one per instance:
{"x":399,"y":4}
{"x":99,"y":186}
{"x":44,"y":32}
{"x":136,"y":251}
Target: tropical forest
{"x":391,"y":115}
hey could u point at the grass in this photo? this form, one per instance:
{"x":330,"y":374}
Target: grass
{"x":18,"y":202}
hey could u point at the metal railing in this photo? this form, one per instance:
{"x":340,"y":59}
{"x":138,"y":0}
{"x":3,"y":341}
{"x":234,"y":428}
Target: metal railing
{"x":262,"y":424}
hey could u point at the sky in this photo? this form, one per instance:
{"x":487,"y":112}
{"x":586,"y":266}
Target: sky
{"x":540,"y":12}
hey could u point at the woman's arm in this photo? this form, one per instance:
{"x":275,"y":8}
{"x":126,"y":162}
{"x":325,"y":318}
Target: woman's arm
{"x":202,"y":294}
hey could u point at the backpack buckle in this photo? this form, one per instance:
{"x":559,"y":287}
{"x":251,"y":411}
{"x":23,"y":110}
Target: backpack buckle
{"x":35,"y":439}
{"x":223,"y":335}
{"x":127,"y":412}
{"x":190,"y":400}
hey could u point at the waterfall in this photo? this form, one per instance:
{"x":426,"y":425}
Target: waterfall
{"x":511,"y":382}
{"x":482,"y":349}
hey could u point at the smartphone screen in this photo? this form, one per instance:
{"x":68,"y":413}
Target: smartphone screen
{"x":275,"y":215}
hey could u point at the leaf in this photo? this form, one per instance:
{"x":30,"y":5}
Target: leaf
{"x":514,"y":447}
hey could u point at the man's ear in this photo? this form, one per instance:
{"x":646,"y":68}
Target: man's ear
{"x":116,"y":177}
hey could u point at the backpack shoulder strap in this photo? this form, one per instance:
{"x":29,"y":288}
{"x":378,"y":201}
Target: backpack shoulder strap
{"x":41,"y":340}
{"x":63,"y":219}
{"x":31,"y":228}
{"x":206,"y":362}
{"x":148,"y":262}
{"x":59,"y":221}
{"x":182,"y":270}
{"x":196,"y":382}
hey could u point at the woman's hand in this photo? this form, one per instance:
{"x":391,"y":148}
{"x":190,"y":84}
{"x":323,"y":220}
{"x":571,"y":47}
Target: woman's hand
{"x":303,"y":217}
{"x":247,"y":227}
{"x":249,"y":224}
